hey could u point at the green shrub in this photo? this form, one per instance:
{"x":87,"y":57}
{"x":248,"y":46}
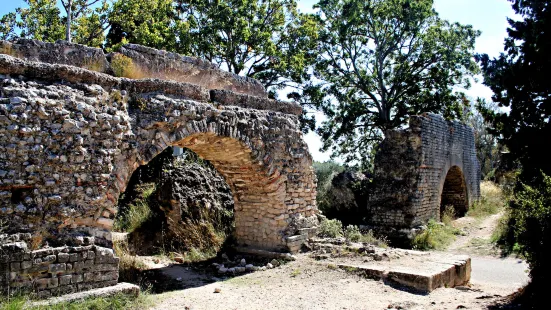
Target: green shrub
{"x":138,"y":213}
{"x":437,"y":236}
{"x":531,"y":221}
{"x":331,"y":228}
{"x":352,"y":233}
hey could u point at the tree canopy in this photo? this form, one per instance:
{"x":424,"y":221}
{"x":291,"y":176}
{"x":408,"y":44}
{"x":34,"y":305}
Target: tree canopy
{"x":380,"y":61}
{"x":519,"y":80}
{"x":43,"y":20}
{"x":266,"y":40}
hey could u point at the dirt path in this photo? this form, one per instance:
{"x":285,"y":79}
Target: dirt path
{"x":478,"y":233}
{"x":308,"y":284}
{"x":489,"y":269}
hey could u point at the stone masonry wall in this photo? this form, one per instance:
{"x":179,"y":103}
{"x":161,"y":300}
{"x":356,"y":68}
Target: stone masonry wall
{"x":172,"y":66}
{"x":70,"y":139}
{"x":54,"y":271}
{"x":148,"y":62}
{"x":411,"y":168}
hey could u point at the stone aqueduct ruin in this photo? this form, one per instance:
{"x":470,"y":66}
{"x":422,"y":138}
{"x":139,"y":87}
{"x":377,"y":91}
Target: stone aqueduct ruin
{"x":421,"y":170}
{"x":71,"y":135}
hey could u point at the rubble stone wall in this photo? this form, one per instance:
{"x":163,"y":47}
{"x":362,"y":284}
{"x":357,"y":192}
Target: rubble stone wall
{"x":411,"y":168}
{"x":68,"y":149}
{"x":70,"y":139}
{"x":146,"y":63}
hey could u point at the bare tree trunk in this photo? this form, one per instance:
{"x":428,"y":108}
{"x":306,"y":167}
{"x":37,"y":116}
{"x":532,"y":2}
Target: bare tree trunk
{"x":69,"y":17}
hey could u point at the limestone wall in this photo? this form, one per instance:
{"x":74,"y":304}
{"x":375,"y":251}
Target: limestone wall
{"x":172,"y":66}
{"x":70,"y":139}
{"x":68,"y":148}
{"x":411,"y":168}
{"x":61,"y":52}
{"x":54,"y":271}
{"x":146,"y":63}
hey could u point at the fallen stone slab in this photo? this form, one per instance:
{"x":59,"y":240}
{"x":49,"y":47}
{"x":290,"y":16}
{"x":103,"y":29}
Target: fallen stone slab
{"x":120,"y":288}
{"x":265,"y":253}
{"x":425,"y":275}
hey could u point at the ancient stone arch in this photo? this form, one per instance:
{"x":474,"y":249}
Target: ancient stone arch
{"x":420,"y":170}
{"x":454,"y":192}
{"x":70,"y":139}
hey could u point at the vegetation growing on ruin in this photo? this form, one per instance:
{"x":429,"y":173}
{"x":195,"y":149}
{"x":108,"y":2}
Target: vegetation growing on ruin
{"x":381,"y":61}
{"x":436,"y":236}
{"x":137,"y":213}
{"x":123,"y":66}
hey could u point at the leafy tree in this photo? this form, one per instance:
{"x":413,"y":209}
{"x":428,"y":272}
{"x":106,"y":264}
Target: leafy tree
{"x":90,"y":23}
{"x":488,"y":149}
{"x":268,"y":40}
{"x":42,"y":20}
{"x":151,"y":23}
{"x":521,"y":86}
{"x":380,"y":61}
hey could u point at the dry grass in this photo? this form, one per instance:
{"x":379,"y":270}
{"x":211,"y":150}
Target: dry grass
{"x":93,"y":65}
{"x":492,"y":200}
{"x":130,"y":266}
{"x":7,"y":49}
{"x":117,"y":302}
{"x":124,"y":67}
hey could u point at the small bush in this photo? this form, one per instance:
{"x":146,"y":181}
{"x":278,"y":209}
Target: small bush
{"x":352,"y":233}
{"x":331,"y":229}
{"x":437,"y":236}
{"x":448,"y":215}
{"x":124,"y":67}
{"x":531,"y":223}
{"x":370,"y":238}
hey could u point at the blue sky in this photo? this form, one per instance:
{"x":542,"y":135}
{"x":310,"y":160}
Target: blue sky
{"x":488,"y":16}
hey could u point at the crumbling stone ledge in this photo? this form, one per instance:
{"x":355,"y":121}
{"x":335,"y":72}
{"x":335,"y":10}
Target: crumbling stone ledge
{"x":55,"y":72}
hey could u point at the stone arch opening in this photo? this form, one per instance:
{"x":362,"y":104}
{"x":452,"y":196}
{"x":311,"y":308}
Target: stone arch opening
{"x":176,"y":203}
{"x":258,"y":191}
{"x":454,"y":192}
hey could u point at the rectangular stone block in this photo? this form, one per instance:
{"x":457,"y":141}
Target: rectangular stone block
{"x":77,"y":278}
{"x":54,"y":268}
{"x":62,"y":257}
{"x":65,"y":280}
